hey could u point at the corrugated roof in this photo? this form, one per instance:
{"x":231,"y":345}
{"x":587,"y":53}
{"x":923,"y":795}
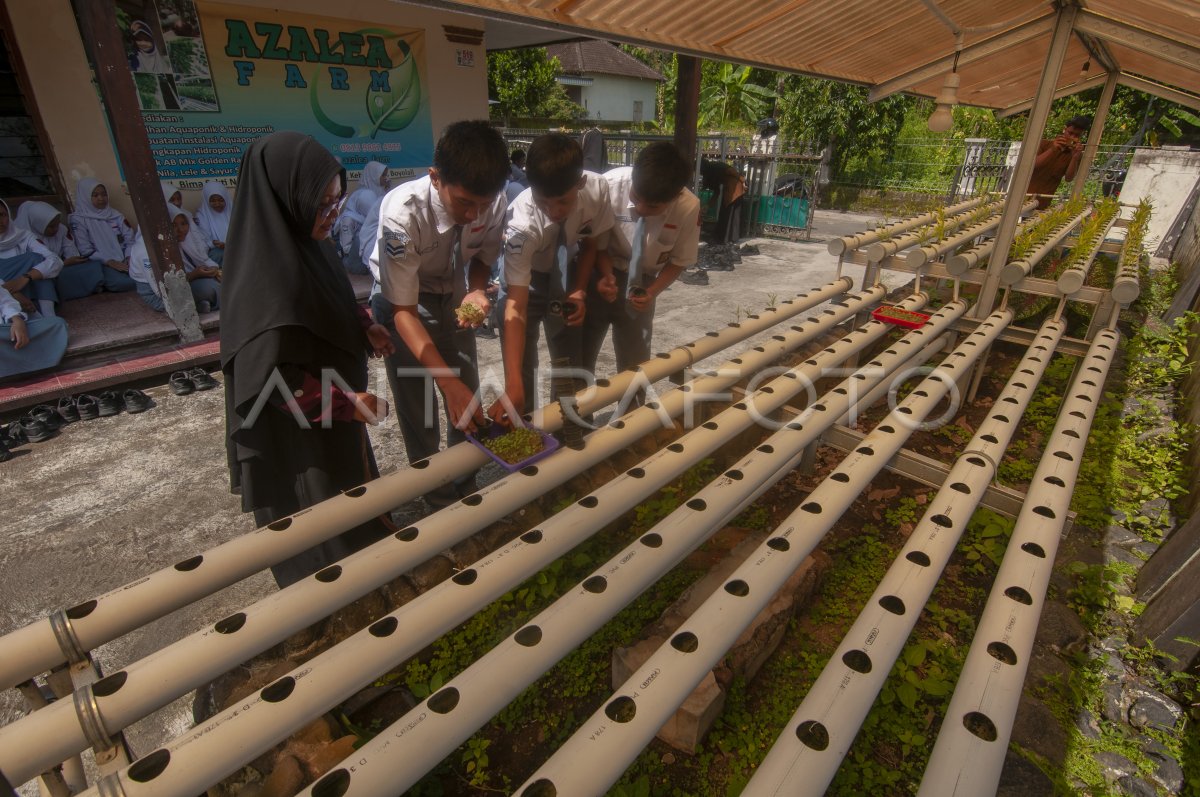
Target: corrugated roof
{"x":597,"y":57}
{"x":898,"y":45}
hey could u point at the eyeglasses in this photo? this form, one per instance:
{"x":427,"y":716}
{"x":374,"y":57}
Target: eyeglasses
{"x":330,"y":209}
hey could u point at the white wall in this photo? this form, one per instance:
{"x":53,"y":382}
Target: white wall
{"x":611,"y":98}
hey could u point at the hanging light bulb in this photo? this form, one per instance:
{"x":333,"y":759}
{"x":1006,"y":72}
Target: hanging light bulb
{"x":942,"y":118}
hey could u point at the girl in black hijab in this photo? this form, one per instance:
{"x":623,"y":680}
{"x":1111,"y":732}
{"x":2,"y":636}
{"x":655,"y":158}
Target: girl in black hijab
{"x":294,"y":346}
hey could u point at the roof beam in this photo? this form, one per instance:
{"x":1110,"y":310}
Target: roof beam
{"x":1140,"y":39}
{"x":1065,"y":91}
{"x":1098,"y":50}
{"x":760,"y":22}
{"x":973,"y":52}
{"x":1159,"y":90}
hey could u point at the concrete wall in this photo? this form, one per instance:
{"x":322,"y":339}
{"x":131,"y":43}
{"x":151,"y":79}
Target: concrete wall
{"x":611,"y":98}
{"x":1165,"y":176}
{"x":47,"y":38}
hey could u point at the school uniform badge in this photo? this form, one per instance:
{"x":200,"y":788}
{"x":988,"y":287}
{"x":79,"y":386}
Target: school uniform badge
{"x":395,"y":242}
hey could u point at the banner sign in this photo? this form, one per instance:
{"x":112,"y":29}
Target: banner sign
{"x":211,"y":78}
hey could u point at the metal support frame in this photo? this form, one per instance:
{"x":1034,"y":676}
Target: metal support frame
{"x":596,"y":755}
{"x":1165,"y":49}
{"x":37,"y":648}
{"x":1093,"y":142}
{"x":968,"y":756}
{"x":1059,"y":41}
{"x":822,"y":729}
{"x":39,"y":740}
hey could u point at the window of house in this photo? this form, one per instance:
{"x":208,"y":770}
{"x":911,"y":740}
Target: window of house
{"x":637,"y":110}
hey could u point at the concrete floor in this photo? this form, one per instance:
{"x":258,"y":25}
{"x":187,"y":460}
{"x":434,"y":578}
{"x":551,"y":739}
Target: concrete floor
{"x":112,"y":499}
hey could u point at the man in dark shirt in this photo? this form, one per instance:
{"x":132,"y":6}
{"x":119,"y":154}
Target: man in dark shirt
{"x":1058,"y":158}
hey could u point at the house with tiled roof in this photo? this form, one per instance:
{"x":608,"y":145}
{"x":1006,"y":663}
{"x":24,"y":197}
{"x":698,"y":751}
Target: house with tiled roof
{"x":609,"y":84}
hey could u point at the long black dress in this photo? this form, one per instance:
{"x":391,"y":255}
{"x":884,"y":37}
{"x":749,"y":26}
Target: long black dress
{"x":288,"y":309}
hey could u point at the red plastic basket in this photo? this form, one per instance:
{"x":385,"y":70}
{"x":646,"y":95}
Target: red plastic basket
{"x":900,"y":317}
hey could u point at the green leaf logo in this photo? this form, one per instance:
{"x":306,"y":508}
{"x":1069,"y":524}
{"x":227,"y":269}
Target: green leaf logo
{"x":396,"y":110}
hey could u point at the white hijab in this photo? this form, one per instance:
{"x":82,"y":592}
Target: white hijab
{"x":192,"y":247}
{"x":214,"y":225}
{"x":169,"y":190}
{"x":16,"y":239}
{"x":36,"y":217}
{"x":102,"y":226}
{"x":371,"y":178}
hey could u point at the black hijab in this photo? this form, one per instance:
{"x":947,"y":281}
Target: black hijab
{"x":277,"y":279}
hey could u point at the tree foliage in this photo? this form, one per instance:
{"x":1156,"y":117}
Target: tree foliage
{"x":733,"y":96}
{"x":523,"y":84}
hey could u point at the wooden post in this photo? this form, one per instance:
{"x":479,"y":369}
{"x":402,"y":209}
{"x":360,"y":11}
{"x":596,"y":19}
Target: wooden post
{"x":687,"y":105}
{"x":102,"y":41}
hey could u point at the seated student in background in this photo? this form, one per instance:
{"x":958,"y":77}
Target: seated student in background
{"x":657,"y":219}
{"x":203,"y":275}
{"x":518,"y":181}
{"x":102,"y":234}
{"x":372,"y":182}
{"x":350,"y":222}
{"x":212,"y":220}
{"x":438,"y":238}
{"x":79,"y":277}
{"x":27,"y":268}
{"x":26,"y":344}
{"x":549,"y":252}
{"x":171,"y":193}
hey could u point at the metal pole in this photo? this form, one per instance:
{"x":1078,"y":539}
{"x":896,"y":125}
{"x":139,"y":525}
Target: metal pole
{"x":39,"y":740}
{"x":839,"y":246}
{"x":1017,"y":270}
{"x":968,"y":756}
{"x":821,"y":731}
{"x":1093,"y":142}
{"x":596,"y":755}
{"x":40,"y":646}
{"x":1038,"y":114}
{"x":200,"y":758}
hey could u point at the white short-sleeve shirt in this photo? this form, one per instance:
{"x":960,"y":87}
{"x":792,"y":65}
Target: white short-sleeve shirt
{"x":414,"y":247}
{"x":672,"y":237}
{"x":531,"y":238}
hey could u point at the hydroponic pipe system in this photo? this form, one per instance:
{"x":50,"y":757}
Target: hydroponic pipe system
{"x":917,"y":257}
{"x":68,"y":634}
{"x":846,"y":243}
{"x":968,"y":756}
{"x":400,"y":754}
{"x":881,"y":249}
{"x":1071,"y":280}
{"x":1016,"y":270}
{"x":962,"y":262}
{"x":41,"y":739}
{"x":608,"y":741}
{"x":810,"y":749}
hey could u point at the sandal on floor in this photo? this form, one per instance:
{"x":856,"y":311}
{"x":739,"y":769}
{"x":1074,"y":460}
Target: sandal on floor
{"x":181,"y":384}
{"x":201,"y":379}
{"x":136,"y":401}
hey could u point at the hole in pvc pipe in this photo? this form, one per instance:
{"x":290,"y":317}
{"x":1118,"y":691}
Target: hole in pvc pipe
{"x":329,"y":574}
{"x":918,"y":558}
{"x":280,"y":525}
{"x":904,"y":410}
{"x":795,"y":426}
{"x":662,"y":355}
{"x":1076,"y":414}
{"x":893,"y":604}
{"x":1001,"y":418}
{"x":840,"y":477}
{"x":865,"y":450}
{"x":976,"y":461}
{"x":778,"y":337}
{"x":886,"y":428}
{"x":589,"y":502}
{"x":697,"y":504}
{"x":1057,"y":482}
{"x":819,"y":407}
{"x":420,"y":464}
{"x":710,"y":425}
{"x":734,"y":474}
{"x":713,"y":334}
{"x":1064,"y":455}
{"x":685,"y":642}
{"x":407,"y":535}
{"x":766,"y":448}
{"x":621,"y":710}
{"x":733,"y":325}
{"x":741,"y":405}
{"x":778,"y":544}
{"x":812,"y":735}
{"x":960,"y":488}
{"x":675,"y":447}
{"x":1095,"y":369}
{"x":813,"y":507}
{"x":1019,"y":595}
{"x":1010,"y":400}
{"x":652,"y":540}
{"x":602,"y":383}
{"x":738,"y":588}
{"x":444,"y":701}
{"x":618,"y":425}
{"x":652,"y":405}
{"x":1071,"y":433}
{"x":1033,"y":549}
{"x":356,"y":492}
{"x":1002,"y":652}
{"x":943,"y":521}
{"x":532,"y":537}
{"x":1089,"y":383}
{"x":385,"y":627}
{"x":230,"y":624}
{"x":474,"y":499}
{"x":736,"y":361}
{"x":529,"y":470}
{"x":110,"y":684}
{"x":841,"y":391}
{"x":334,"y":784}
{"x":189,"y":564}
{"x":979,"y":725}
{"x":465,"y":578}
{"x":279,"y":691}
{"x":540,"y":788}
{"x":635,"y":473}
{"x":857,"y":660}
{"x":1084,"y":397}
{"x":596,"y":584}
{"x":1026,"y":371}
{"x":147,"y":769}
{"x":768,"y":390}
{"x":1044,"y":511}
{"x":528,"y":636}
{"x":990,"y":438}
{"x":1021,"y":385}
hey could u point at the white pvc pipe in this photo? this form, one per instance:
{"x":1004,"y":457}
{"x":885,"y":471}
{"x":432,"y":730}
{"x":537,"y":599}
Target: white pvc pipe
{"x":608,"y":741}
{"x":806,"y":756}
{"x":962,"y":262}
{"x":1016,"y":270}
{"x":1073,"y":278}
{"x":839,"y":246}
{"x":36,"y":648}
{"x":38,"y":741}
{"x":881,"y":249}
{"x":968,"y":756}
{"x":200,"y":757}
{"x":916,"y":258}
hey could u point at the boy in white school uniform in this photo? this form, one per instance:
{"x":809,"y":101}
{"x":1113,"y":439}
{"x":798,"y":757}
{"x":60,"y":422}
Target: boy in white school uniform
{"x":658,"y":219}
{"x":549,"y":253}
{"x":437,"y":241}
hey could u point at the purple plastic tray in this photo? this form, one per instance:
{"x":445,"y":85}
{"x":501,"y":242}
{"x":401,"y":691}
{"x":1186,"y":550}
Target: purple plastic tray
{"x":549,"y":443}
